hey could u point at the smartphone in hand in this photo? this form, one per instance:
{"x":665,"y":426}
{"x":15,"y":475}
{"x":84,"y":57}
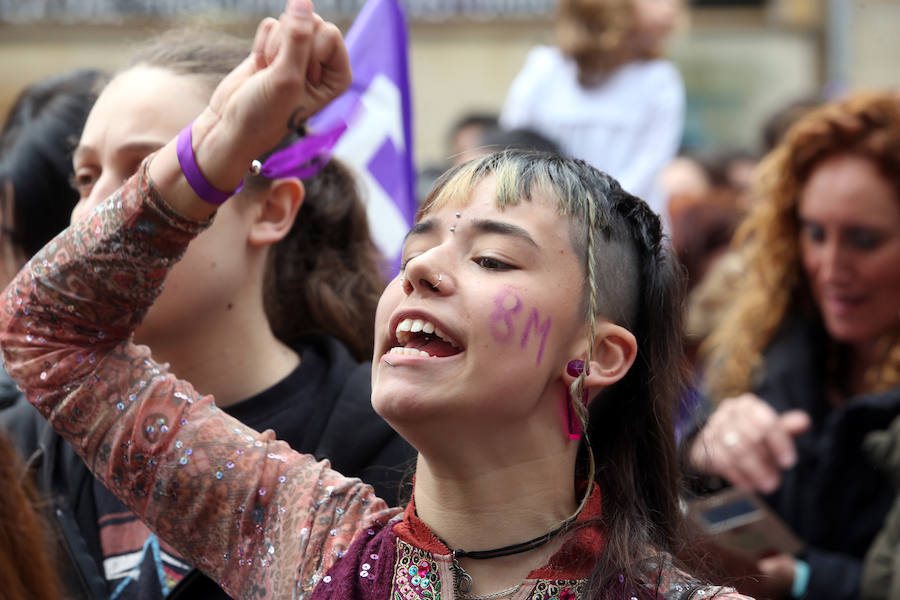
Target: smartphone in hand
{"x":743,"y":523}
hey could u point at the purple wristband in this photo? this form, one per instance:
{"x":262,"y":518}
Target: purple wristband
{"x":188,"y":163}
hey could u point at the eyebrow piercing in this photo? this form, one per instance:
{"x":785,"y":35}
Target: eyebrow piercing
{"x":458,"y":215}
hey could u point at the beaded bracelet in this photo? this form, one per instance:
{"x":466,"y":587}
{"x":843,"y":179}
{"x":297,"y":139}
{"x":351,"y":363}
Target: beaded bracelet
{"x":188,"y":162}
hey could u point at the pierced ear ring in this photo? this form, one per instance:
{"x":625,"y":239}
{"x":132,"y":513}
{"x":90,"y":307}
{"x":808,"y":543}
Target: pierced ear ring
{"x":255,"y":167}
{"x":573,"y":427}
{"x":574,"y":368}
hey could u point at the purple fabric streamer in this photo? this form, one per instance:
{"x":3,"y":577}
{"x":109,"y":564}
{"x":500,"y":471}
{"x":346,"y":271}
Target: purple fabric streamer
{"x":305,"y":157}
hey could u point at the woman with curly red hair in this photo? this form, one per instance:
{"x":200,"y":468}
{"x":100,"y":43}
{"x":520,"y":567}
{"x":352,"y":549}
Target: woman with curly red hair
{"x":807,"y":362}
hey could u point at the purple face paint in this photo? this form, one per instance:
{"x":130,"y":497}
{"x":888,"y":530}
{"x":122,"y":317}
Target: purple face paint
{"x":506,"y":304}
{"x":503,"y":327}
{"x":541,"y":328}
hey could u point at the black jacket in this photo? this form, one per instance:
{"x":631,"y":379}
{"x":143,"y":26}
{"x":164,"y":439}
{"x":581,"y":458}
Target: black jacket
{"x":331,"y":418}
{"x":835,"y":499}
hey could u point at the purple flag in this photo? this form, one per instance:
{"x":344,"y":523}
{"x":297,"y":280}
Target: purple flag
{"x":377,"y":144}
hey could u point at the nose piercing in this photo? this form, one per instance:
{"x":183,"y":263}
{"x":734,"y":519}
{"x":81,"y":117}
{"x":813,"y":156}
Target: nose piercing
{"x":434,"y":286}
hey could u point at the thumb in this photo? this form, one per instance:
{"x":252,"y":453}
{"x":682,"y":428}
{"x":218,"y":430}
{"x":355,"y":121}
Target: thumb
{"x":795,"y":422}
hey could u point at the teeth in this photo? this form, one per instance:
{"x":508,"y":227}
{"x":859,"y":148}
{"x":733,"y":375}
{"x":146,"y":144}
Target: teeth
{"x":408,"y":351}
{"x":407,"y":326}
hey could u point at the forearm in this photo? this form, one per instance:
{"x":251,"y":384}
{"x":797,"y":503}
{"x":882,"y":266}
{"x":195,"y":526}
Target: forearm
{"x":213,"y":488}
{"x":86,"y":291}
{"x":223,"y":163}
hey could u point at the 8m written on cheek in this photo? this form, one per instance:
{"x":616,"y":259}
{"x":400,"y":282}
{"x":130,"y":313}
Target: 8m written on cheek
{"x":507,"y":306}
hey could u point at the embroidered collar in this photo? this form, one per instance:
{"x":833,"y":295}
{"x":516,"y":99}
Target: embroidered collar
{"x":576,"y":558}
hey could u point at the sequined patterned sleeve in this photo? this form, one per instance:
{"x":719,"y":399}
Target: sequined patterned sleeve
{"x":258,"y":517}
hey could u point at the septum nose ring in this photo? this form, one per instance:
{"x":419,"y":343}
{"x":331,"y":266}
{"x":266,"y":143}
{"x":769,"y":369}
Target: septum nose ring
{"x":435,"y":286}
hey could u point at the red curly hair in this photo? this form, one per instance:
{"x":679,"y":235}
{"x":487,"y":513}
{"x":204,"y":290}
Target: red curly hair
{"x":866,"y":125}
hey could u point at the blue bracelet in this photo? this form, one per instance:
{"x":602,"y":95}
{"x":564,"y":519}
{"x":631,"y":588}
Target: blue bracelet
{"x":188,"y":163}
{"x":801,"y":579}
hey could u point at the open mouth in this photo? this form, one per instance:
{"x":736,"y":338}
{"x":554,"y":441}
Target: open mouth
{"x":419,"y":337}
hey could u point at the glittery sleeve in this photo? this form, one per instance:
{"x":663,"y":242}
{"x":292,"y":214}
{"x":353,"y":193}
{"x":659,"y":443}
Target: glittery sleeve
{"x":261,"y":519}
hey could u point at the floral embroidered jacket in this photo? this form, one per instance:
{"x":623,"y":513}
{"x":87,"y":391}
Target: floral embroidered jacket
{"x":264,"y":521}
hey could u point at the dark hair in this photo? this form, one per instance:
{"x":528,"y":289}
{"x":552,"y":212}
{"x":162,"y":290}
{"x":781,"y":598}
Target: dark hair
{"x":26,"y":561}
{"x":779,"y":123}
{"x":631,"y":423}
{"x":496,"y":139}
{"x":474,"y":119}
{"x":324,"y":276}
{"x":703,"y":230}
{"x":634,"y":280}
{"x":36,"y":147}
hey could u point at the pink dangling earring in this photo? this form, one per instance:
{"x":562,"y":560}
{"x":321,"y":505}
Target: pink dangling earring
{"x":574,"y":368}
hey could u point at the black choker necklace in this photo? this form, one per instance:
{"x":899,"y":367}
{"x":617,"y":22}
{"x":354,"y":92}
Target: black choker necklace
{"x":463,"y":581}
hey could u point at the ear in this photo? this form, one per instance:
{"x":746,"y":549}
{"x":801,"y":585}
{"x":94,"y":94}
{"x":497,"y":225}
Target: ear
{"x":275,"y":211}
{"x":615,"y":349}
{"x":614,"y":352}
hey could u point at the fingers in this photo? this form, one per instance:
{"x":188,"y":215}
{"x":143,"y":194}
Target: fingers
{"x":262,"y":42}
{"x":314,"y":68}
{"x":329,"y":63}
{"x":748,"y":444}
{"x":307,"y":51}
{"x":301,"y":8}
{"x":290,"y":52}
{"x":274,"y":86}
{"x":748,"y":458}
{"x":796,"y":422}
{"x":777,"y":575}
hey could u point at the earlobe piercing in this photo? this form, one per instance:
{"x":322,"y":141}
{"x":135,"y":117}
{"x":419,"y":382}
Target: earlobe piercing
{"x":575,"y":367}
